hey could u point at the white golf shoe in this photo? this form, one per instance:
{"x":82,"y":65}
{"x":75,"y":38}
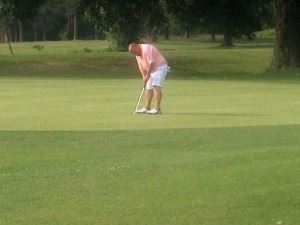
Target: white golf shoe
{"x":153,"y":111}
{"x":142,"y":110}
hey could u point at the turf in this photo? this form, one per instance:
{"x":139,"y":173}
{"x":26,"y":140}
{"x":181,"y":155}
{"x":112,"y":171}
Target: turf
{"x":224,"y":151}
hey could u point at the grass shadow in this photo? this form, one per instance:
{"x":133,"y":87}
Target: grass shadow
{"x":288,"y":75}
{"x":215,"y":114}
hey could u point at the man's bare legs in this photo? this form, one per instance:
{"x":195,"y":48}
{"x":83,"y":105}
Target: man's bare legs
{"x":148,"y":98}
{"x":155,"y":93}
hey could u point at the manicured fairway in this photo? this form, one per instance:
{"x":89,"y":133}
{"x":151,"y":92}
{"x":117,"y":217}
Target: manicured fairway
{"x":104,"y":104}
{"x":237,"y":175}
{"x":225,"y":151}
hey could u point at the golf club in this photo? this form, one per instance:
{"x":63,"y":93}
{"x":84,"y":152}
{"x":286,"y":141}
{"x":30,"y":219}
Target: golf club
{"x":138,"y":103}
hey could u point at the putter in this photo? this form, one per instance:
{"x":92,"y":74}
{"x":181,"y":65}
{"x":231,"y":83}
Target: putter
{"x":138,"y":103}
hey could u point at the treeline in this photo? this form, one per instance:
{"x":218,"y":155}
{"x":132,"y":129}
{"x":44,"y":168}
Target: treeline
{"x":128,"y":20}
{"x":48,"y":20}
{"x":125,"y":21}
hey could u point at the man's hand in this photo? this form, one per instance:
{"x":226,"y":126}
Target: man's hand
{"x":146,"y":73}
{"x":146,"y":78}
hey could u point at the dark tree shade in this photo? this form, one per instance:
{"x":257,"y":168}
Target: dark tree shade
{"x":287,"y":44}
{"x":229,"y":17}
{"x":234,"y":17}
{"x":188,"y":13}
{"x":21,"y":9}
{"x":125,"y":19}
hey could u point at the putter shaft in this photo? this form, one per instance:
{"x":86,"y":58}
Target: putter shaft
{"x":138,"y":103}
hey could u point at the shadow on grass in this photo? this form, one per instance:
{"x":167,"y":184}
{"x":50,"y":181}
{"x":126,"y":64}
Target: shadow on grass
{"x":239,"y":46}
{"x":216,"y":114}
{"x":253,"y":46}
{"x":259,"y":43}
{"x":287,"y":133}
{"x":287,"y":75}
{"x":176,"y":74}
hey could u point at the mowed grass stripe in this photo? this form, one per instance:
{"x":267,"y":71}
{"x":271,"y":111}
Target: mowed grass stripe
{"x":107,"y":104}
{"x":237,"y":175}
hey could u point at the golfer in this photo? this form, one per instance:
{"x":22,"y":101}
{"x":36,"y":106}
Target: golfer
{"x":154,"y":68}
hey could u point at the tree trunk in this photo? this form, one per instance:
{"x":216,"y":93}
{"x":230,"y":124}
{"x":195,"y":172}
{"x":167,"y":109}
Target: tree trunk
{"x":11,"y":32}
{"x":16,"y":35}
{"x":187,"y":32}
{"x":213,"y":36}
{"x":294,"y":39}
{"x":70,"y":28}
{"x":20,"y":27}
{"x":287,"y":44}
{"x":95,"y":32}
{"x":124,"y":32}
{"x":7,"y":40}
{"x":14,"y":32}
{"x":45,"y":23}
{"x":281,"y":49}
{"x":152,"y":35}
{"x":35,"y":34}
{"x":166,"y":32}
{"x":227,"y":39}
{"x":75,"y":27}
{"x":44,"y":34}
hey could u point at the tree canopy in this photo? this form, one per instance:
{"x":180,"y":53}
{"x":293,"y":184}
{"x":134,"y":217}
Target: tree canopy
{"x":125,"y":21}
{"x":129,"y":20}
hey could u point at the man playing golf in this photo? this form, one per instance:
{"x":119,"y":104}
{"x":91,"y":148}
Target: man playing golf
{"x":154,"y":68}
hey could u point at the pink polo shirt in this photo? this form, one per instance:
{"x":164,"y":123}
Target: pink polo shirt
{"x":150,"y":54}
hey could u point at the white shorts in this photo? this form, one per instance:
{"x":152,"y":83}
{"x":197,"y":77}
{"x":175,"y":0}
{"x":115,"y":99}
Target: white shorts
{"x":157,"y":77}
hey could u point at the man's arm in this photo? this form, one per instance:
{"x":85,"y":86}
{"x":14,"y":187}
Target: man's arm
{"x":148,"y":72}
{"x":143,"y":73}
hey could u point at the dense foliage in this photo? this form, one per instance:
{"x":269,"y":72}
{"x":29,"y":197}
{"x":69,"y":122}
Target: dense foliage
{"x":127,"y":20}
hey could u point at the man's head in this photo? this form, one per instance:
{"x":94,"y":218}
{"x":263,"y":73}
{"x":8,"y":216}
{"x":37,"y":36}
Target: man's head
{"x":135,"y":49}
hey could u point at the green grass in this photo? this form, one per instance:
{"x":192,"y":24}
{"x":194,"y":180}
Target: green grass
{"x":224,"y":151}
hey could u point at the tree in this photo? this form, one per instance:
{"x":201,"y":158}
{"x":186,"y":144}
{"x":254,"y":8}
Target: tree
{"x":124,"y":19}
{"x":233,"y":17}
{"x":287,"y":44}
{"x":187,"y":12}
{"x":156,"y":20}
{"x":71,"y":7}
{"x":115,"y":16}
{"x":21,"y":11}
{"x":228,"y":17}
{"x":49,"y":21}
